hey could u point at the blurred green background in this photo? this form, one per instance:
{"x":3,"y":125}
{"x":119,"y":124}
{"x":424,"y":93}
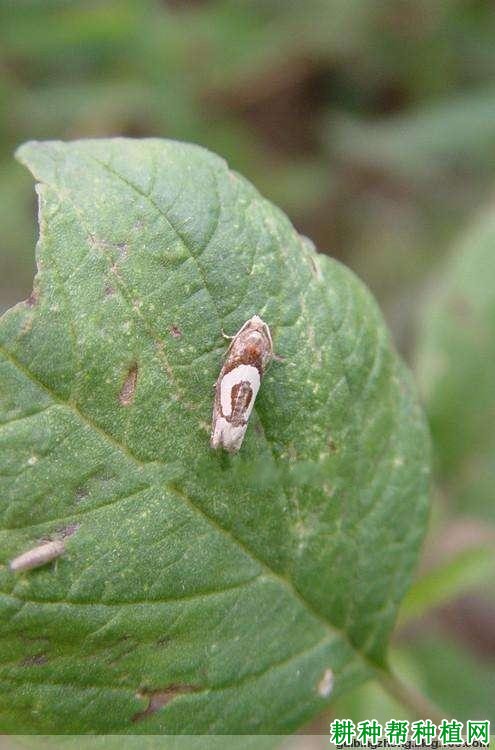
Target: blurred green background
{"x":372,"y":124}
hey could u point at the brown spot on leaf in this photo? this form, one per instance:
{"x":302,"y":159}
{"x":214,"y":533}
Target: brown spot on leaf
{"x":126,"y":395}
{"x":157,"y":699}
{"x":175,"y":332}
{"x":33,"y":298}
{"x":68,"y":530}
{"x":314,"y":267}
{"x":81,"y":494}
{"x":27,"y":326}
{"x":36,"y":660}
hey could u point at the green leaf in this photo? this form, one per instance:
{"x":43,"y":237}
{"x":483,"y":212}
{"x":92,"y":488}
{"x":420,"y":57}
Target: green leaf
{"x":199,"y":592}
{"x":456,"y":366}
{"x":448,"y":581}
{"x":456,"y":679}
{"x":420,"y":144}
{"x":152,"y":742}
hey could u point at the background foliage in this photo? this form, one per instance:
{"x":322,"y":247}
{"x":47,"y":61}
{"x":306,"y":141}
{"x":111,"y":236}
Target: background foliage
{"x":372,"y":125}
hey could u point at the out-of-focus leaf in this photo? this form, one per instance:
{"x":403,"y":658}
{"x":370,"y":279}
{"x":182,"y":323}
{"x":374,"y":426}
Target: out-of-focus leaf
{"x":297,"y":186}
{"x":454,"y":679}
{"x":456,"y":367}
{"x":90,"y":106}
{"x":424,"y":143}
{"x":368,"y":701}
{"x":262,"y":40}
{"x":435,"y":666}
{"x":470,"y":568}
{"x":41,"y":32}
{"x":16,"y":234}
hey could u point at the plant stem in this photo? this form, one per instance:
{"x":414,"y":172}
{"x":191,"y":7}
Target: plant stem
{"x":418,"y":705}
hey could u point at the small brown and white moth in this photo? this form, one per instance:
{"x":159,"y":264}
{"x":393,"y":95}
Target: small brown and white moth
{"x":246,"y":360}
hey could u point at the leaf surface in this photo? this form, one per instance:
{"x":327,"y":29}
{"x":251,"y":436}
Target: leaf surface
{"x":198,"y":592}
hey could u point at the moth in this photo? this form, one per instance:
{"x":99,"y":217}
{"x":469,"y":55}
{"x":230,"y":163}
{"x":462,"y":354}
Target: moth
{"x":38,"y":556}
{"x":246,"y":360}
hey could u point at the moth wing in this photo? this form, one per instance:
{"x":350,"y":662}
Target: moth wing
{"x":226,"y":435}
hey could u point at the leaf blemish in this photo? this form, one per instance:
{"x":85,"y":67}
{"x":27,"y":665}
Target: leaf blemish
{"x":33,"y":298}
{"x":315,"y":268}
{"x":81,"y":494}
{"x":36,"y":660}
{"x":67,"y":531}
{"x":126,"y":395}
{"x":325,"y":685}
{"x":332,"y":445}
{"x":160,"y":698}
{"x":26,"y":326}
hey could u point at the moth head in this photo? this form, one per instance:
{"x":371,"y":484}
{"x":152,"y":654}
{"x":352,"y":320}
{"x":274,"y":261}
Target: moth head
{"x":257,"y":324}
{"x":260,"y":337}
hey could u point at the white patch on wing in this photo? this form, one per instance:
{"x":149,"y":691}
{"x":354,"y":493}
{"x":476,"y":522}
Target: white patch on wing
{"x":240,"y":374}
{"x":227,"y":436}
